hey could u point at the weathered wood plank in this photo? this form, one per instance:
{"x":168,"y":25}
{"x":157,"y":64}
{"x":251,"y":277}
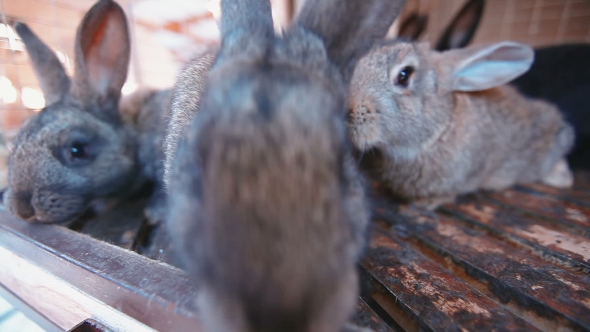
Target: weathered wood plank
{"x":154,"y":293}
{"x":367,"y":318}
{"x":573,"y":195}
{"x":44,"y":322}
{"x":512,"y":274}
{"x":109,"y":281}
{"x":550,"y":208}
{"x":54,"y":298}
{"x":435,"y":298}
{"x":549,"y":240}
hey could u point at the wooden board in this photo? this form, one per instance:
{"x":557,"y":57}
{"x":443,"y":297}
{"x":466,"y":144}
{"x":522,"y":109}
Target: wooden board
{"x":516,"y":260}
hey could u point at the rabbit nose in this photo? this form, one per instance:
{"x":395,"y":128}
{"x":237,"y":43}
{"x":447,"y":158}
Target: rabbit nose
{"x":22,"y":206}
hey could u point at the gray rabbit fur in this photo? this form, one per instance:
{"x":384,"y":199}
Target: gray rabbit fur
{"x":81,"y":148}
{"x":186,"y":95}
{"x":148,"y":110}
{"x":560,"y":74}
{"x":266,"y":205}
{"x":446,"y":124}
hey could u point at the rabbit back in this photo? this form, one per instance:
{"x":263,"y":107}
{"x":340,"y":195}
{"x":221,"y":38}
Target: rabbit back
{"x":561,"y":75}
{"x":520,"y":139}
{"x":184,"y":106}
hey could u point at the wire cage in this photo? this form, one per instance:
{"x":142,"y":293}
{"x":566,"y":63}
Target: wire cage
{"x":535,"y":22}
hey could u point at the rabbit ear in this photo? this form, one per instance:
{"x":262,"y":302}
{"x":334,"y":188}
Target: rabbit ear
{"x":245,"y":25}
{"x":482,"y":68}
{"x":102,"y":54}
{"x":52,"y":76}
{"x":412,"y":28}
{"x":349,"y":28}
{"x":463,"y":27}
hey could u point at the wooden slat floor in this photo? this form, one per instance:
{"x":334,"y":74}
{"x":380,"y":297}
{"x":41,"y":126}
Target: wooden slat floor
{"x":516,"y":260}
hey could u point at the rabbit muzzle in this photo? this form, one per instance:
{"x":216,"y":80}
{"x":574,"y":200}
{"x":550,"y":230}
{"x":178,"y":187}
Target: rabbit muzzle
{"x":45,"y":206}
{"x":362,"y":122}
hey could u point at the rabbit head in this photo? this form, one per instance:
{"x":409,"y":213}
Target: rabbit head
{"x":267,"y":211}
{"x":77,"y":148}
{"x":402,"y":94}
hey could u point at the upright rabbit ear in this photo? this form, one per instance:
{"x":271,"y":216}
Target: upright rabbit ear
{"x":246,"y":26}
{"x":412,"y":27}
{"x":102,"y":54}
{"x":51,"y":74}
{"x":482,"y":68}
{"x":349,"y":28}
{"x":463,"y":27}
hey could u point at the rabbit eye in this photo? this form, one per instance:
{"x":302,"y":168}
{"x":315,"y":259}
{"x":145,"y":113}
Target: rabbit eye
{"x":78,"y":151}
{"x":403,"y":78}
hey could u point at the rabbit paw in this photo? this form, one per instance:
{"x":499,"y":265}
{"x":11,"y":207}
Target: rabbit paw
{"x":560,"y":176}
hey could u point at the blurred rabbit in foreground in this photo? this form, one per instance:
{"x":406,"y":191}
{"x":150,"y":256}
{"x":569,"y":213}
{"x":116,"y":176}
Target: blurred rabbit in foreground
{"x":265,"y":202}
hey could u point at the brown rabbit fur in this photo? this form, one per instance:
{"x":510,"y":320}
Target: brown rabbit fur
{"x":80,"y":148}
{"x":446,"y":123}
{"x":265,"y":202}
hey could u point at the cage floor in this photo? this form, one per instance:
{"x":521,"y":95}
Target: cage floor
{"x":516,"y":260}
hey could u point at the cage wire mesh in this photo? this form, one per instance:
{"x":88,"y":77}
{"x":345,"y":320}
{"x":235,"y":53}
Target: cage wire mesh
{"x":535,"y":22}
{"x":166,"y":33}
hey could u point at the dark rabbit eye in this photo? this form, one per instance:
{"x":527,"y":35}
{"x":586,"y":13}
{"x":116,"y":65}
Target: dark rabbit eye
{"x":78,"y":151}
{"x":403,"y":78}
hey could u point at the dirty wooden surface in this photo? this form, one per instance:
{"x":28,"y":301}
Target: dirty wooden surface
{"x":516,"y":260}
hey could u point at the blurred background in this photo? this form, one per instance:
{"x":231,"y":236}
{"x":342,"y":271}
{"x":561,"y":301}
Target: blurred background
{"x":535,"y":22}
{"x":166,"y":33}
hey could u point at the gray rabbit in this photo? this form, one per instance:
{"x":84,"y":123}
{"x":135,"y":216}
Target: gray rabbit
{"x":81,"y":148}
{"x":266,"y":205}
{"x":447,"y":123}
